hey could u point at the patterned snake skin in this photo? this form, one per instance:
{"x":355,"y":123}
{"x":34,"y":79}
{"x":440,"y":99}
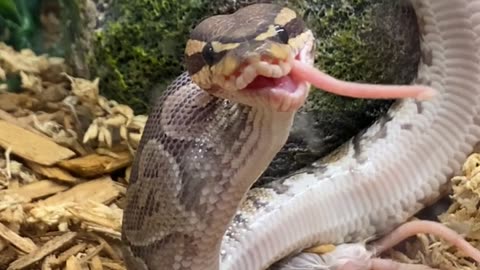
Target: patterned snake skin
{"x":200,"y":154}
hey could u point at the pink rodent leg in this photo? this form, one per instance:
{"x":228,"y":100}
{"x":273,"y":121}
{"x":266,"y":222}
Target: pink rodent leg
{"x":304,"y":72}
{"x":386,"y":264}
{"x":412,"y":228}
{"x":401,"y":233}
{"x":383,"y":264}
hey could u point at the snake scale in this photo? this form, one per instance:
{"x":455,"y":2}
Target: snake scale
{"x":188,"y":203}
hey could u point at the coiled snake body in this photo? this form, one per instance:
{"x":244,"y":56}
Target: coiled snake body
{"x":207,"y":140}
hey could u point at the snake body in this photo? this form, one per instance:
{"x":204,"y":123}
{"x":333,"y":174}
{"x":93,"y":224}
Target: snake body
{"x":189,"y":205}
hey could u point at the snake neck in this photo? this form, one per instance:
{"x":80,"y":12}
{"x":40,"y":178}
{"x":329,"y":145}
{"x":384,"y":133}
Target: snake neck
{"x":193,"y":168}
{"x":258,"y":133}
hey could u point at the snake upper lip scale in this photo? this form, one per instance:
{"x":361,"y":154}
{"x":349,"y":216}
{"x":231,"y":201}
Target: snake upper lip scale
{"x":189,"y":205}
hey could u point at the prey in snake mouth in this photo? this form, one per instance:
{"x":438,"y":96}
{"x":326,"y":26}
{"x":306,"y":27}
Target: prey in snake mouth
{"x":249,"y":58}
{"x":265,"y":59}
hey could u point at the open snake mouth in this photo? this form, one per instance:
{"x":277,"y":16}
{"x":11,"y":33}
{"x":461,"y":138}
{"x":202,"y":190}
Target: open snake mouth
{"x":273,"y":73}
{"x":274,"y":81}
{"x":283,"y":82}
{"x":266,"y":80}
{"x":286,"y":83}
{"x":282,"y":92}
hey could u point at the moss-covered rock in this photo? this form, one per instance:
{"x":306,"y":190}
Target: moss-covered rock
{"x":141,"y":48}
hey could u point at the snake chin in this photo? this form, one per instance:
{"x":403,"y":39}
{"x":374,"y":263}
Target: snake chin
{"x":283,"y":99}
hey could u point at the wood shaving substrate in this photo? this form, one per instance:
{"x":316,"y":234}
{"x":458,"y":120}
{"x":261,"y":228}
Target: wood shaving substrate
{"x":65,"y":159}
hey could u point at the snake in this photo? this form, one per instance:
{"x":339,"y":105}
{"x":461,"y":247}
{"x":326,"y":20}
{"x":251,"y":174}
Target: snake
{"x":215,"y":129}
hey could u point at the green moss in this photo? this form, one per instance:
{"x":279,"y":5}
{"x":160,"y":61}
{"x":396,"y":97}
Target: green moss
{"x":141,"y":49}
{"x":365,"y":40}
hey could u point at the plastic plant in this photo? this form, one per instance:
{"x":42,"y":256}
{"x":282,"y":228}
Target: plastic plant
{"x":19,"y":23}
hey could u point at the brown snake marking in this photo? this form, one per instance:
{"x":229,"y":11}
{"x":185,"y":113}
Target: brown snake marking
{"x":201,"y":150}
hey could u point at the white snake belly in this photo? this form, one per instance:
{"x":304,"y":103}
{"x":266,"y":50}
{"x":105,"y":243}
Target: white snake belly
{"x":386,"y":174}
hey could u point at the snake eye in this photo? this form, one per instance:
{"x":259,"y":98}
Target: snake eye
{"x":282,"y":34}
{"x":208,"y":54}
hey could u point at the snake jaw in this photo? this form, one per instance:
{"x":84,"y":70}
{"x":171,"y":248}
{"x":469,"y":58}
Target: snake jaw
{"x":285,"y":93}
{"x":264,"y":81}
{"x":284,"y":101}
{"x":281,"y":93}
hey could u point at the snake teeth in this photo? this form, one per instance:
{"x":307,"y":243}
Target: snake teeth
{"x":262,"y":68}
{"x":268,"y":70}
{"x":246,"y":77}
{"x":286,"y":68}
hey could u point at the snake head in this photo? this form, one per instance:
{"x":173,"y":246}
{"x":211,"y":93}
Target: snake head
{"x":247,"y":56}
